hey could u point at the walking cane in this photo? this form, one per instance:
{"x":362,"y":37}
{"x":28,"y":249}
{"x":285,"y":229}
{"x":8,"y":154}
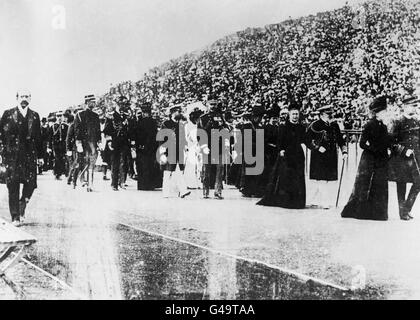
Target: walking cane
{"x":415,"y":161}
{"x":339,"y":185}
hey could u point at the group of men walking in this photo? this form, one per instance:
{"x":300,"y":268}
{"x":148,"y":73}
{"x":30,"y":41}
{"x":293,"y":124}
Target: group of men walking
{"x":390,"y":153}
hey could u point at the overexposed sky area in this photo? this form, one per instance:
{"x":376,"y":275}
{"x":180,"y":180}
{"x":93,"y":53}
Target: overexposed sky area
{"x":63,"y":49}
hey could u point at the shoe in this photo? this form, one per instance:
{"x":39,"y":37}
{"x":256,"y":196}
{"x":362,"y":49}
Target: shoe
{"x":410,"y":216}
{"x":122,"y":187}
{"x":114,"y":188}
{"x":218,"y":196}
{"x":16,"y":223}
{"x":69,"y":183}
{"x":88,"y":189}
{"x":105,"y":178}
{"x":405,"y":218}
{"x":185,"y":194}
{"x":206,"y":194}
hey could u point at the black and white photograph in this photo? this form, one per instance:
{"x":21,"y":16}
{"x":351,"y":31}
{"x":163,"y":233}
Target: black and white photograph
{"x":209,"y":151}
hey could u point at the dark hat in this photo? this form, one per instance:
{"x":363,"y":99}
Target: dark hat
{"x":378,"y":104}
{"x":410,"y":100}
{"x":90,"y":97}
{"x":258,"y":110}
{"x":146,"y":107}
{"x":326,"y":109}
{"x":70,"y":117}
{"x":294,"y":106}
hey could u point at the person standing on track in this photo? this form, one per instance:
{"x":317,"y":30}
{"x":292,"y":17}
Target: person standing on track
{"x":404,"y":165}
{"x":87,"y":133}
{"x":324,"y":138}
{"x":21,"y":150}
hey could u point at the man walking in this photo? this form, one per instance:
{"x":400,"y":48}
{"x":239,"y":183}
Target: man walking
{"x":404,"y":164}
{"x":324,"y":138}
{"x":116,"y":131}
{"x":21,"y":146}
{"x":58,"y":134}
{"x":88,"y":135}
{"x":212,"y":120}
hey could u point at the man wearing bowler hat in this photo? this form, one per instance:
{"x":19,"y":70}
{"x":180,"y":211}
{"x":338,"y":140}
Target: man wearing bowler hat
{"x":21,"y":148}
{"x":404,"y":164}
{"x":324,"y":139}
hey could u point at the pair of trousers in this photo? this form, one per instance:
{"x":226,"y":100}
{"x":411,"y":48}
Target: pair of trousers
{"x":207,"y":169}
{"x":15,"y":199}
{"x":325,"y":193}
{"x":118,"y":166}
{"x":406,"y":204}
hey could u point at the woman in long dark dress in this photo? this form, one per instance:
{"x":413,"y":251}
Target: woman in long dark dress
{"x":287,"y":188}
{"x":369,"y":199}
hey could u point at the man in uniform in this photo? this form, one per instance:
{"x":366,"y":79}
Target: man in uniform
{"x":58,"y":134}
{"x":324,"y":138}
{"x":404,"y":164}
{"x":21,"y":148}
{"x":212,"y":120}
{"x":116,"y":131}
{"x":87,"y":135}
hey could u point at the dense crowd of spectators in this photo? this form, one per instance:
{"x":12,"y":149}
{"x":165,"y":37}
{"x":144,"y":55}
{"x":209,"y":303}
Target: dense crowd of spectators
{"x":342,"y":57}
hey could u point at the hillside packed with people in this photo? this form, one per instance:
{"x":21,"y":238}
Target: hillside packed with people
{"x":343,"y":57}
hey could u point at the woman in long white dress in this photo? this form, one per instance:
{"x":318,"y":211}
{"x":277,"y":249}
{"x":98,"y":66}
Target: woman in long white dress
{"x":193,"y":159}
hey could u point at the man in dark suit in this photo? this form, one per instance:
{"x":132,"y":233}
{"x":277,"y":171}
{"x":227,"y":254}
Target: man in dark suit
{"x":87,"y":132}
{"x":404,"y":164}
{"x":116,"y":132}
{"x":21,"y":146}
{"x":58,"y":134}
{"x":212,"y":120}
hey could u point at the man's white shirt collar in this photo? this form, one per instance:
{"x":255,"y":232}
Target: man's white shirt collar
{"x":23,"y":111}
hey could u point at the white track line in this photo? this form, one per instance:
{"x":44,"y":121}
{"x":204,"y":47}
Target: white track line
{"x":298,"y":275}
{"x":49,"y":275}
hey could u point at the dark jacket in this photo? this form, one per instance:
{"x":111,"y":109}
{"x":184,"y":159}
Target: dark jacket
{"x":178,"y":135}
{"x":323,"y":166}
{"x":71,"y":139}
{"x":58,"y":134}
{"x":406,"y":135}
{"x":86,"y":127}
{"x":145,"y":135}
{"x":369,"y":199}
{"x":21,"y":143}
{"x":117,"y":128}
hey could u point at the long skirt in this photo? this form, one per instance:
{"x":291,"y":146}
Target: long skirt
{"x":369,"y":198}
{"x":287,"y":187}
